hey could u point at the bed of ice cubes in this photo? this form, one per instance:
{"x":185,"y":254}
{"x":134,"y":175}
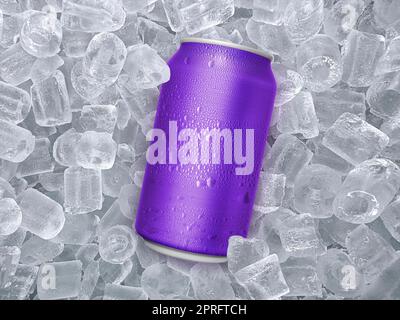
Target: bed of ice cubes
{"x":78,"y":91}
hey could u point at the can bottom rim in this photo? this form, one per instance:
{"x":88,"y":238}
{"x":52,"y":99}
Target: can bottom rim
{"x":184,"y":255}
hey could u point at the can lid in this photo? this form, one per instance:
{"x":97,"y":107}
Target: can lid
{"x":262,"y":53}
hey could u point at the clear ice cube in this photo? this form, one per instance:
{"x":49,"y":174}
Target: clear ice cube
{"x":102,"y":118}
{"x":366,"y":191}
{"x":264,"y":279}
{"x":298,"y":116}
{"x":319,"y":62}
{"x":40,"y":214}
{"x":15,"y":103}
{"x":369,"y":252}
{"x":41,"y":35}
{"x":288,"y":156}
{"x":50,"y":101}
{"x":93,"y":15}
{"x":82,"y":190}
{"x":59,"y":280}
{"x":161,"y":282}
{"x":96,"y":150}
{"x":315,"y":189}
{"x":16,"y":143}
{"x":117,"y":244}
{"x":10,"y":216}
{"x":361,"y":53}
{"x":339,"y":274}
{"x":353,"y":139}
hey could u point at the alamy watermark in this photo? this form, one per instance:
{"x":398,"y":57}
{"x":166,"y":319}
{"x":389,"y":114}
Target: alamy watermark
{"x":190,"y":146}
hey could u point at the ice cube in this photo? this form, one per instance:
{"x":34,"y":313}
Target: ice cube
{"x":271,"y":38}
{"x":386,"y":286}
{"x":105,"y":56}
{"x":7,"y":169}
{"x":21,"y":283}
{"x":59,"y":280}
{"x":339,"y":274}
{"x":113,"y":217}
{"x":50,"y":101}
{"x":180,"y":265}
{"x":264,"y":279}
{"x":40,"y":214}
{"x":361,"y":53}
{"x":144,"y":69}
{"x":161,"y":282}
{"x":299,"y":236}
{"x":16,"y":143}
{"x":117,"y":244}
{"x":16,"y":65}
{"x":86,"y":86}
{"x":204,"y":14}
{"x":210,"y":282}
{"x":332,"y":103}
{"x":289,"y":83}
{"x":64,"y":148}
{"x":52,"y":181}
{"x":174,"y":16}
{"x":369,"y":252}
{"x":39,"y":161}
{"x":157,"y":37}
{"x":91,"y":275}
{"x":124,"y":114}
{"x":10,"y":216}
{"x":78,"y":229}
{"x":82,"y":190}
{"x":288,"y":156}
{"x":15,"y":239}
{"x":36,"y":251}
{"x":92,"y":15}
{"x":75,"y":43}
{"x":386,"y":12}
{"x":114,"y":179}
{"x":320,"y":63}
{"x":269,"y":11}
{"x":146,"y":256}
{"x":128,"y":200}
{"x":114,"y":273}
{"x":118,"y":292}
{"x":41,"y":35}
{"x":383,"y":96}
{"x":301,"y":277}
{"x":391,"y":219}
{"x":390,"y":61}
{"x":303,"y":19}
{"x":315,"y":189}
{"x":341,"y":18}
{"x":298,"y":116}
{"x":15,"y":103}
{"x":45,"y":67}
{"x":87,"y":253}
{"x":243,"y":252}
{"x":101,"y":118}
{"x":271,"y":190}
{"x":336,"y":229}
{"x":366,"y":191}
{"x":354,"y":139}
{"x":9,"y":258}
{"x":96,"y":150}
{"x":6,"y":190}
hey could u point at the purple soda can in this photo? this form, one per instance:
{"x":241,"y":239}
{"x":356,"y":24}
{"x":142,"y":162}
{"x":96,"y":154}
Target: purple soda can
{"x":206,"y":149}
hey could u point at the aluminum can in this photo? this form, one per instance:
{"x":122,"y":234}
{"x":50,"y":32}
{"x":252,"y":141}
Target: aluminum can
{"x":201,"y":177}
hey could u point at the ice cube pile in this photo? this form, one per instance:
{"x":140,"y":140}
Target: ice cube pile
{"x":78,"y":91}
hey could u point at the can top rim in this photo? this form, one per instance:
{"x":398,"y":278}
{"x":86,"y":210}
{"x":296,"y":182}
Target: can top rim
{"x":262,"y":53}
